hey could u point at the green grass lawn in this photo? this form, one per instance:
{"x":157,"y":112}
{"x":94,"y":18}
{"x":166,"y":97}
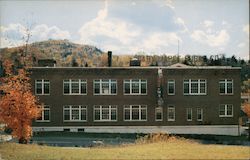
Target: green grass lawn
{"x":170,"y":149}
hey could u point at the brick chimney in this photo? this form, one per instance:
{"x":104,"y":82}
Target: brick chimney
{"x":110,"y":58}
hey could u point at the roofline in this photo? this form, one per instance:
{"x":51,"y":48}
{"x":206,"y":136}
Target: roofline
{"x":154,"y":67}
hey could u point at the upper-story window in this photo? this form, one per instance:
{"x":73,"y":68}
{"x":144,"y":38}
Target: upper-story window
{"x":105,"y":87}
{"x":226,"y":110}
{"x":105,"y":113}
{"x":226,"y":86}
{"x":195,"y":87}
{"x":44,"y":114}
{"x":42,"y":87}
{"x":135,"y":87}
{"x":135,"y":113}
{"x":75,"y":113}
{"x":75,"y":87}
{"x":171,"y":87}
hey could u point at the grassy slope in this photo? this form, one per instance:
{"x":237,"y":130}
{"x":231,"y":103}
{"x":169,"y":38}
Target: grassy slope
{"x":177,"y":149}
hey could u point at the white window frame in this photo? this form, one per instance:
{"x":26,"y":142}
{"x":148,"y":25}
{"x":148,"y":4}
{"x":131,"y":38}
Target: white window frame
{"x":201,"y":112}
{"x":43,"y":108}
{"x":42,"y":82}
{"x":129,"y":81}
{"x":159,"y":110}
{"x":100,"y":81}
{"x":171,"y":81}
{"x":171,"y":107}
{"x":226,"y":82}
{"x":226,"y":108}
{"x":190,"y":86}
{"x":80,"y":81}
{"x":100,"y":110}
{"x":187,"y":112}
{"x":130,"y":107}
{"x":70,"y":113}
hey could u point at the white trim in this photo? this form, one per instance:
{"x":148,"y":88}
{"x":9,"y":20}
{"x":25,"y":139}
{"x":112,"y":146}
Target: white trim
{"x":70,"y":113}
{"x":189,"y":120}
{"x":70,"y":87}
{"x":42,"y":82}
{"x":173,"y":82}
{"x":100,"y":87}
{"x":190,"y":129}
{"x":130,"y":87}
{"x":225,"y":81}
{"x":100,"y":110}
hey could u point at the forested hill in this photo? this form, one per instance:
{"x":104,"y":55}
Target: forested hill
{"x":63,"y":51}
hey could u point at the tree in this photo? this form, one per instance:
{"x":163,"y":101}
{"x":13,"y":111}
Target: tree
{"x":18,"y":106}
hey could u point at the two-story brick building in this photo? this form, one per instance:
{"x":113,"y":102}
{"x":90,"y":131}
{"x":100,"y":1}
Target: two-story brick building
{"x":175,"y":99}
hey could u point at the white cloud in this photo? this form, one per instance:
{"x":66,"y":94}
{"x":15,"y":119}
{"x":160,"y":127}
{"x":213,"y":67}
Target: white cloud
{"x":14,"y":34}
{"x":246,"y":29}
{"x":240,"y":45}
{"x":181,"y":22}
{"x":220,"y":38}
{"x":122,"y":36}
{"x":169,"y":4}
{"x":207,"y":23}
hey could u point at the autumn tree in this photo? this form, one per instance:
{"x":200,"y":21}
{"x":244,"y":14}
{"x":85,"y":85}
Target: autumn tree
{"x":18,"y":106}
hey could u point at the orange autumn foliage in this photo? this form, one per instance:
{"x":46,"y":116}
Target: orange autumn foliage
{"x":18,"y":106}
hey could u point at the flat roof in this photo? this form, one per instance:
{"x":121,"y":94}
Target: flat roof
{"x":137,"y":67}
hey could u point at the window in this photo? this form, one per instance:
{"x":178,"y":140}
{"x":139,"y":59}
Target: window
{"x":199,"y":114}
{"x":105,"y":87}
{"x":195,"y":87}
{"x":189,"y":114}
{"x":75,"y":113}
{"x":42,"y":87}
{"x":171,"y":87}
{"x":135,"y":87}
{"x":158,"y":114}
{"x":45,"y":114}
{"x":226,"y":86}
{"x":105,"y":113}
{"x":171,"y":113}
{"x":226,"y":110}
{"x":74,"y":87}
{"x":135,"y":113}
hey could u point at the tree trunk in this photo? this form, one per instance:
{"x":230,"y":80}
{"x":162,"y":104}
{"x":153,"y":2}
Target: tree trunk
{"x":22,"y":140}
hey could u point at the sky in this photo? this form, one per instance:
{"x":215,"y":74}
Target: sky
{"x":201,"y":27}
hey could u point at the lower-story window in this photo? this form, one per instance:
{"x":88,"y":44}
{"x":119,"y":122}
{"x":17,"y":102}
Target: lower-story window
{"x":75,"y":113}
{"x":105,"y":113}
{"x":199,"y":114}
{"x":158,"y":114}
{"x":171,"y":113}
{"x":226,"y":110}
{"x":135,"y":113}
{"x":189,"y":114}
{"x":44,"y":114}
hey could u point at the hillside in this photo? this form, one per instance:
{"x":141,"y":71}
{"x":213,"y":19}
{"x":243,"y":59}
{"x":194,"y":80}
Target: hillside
{"x":63,"y":51}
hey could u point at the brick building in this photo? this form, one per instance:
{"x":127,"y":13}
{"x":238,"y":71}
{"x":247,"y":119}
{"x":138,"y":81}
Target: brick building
{"x":175,"y":99}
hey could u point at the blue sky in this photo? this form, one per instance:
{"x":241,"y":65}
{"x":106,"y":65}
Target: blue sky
{"x":202,"y":27}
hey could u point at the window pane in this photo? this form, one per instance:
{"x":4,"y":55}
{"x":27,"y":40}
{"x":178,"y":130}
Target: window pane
{"x":46,"y":114}
{"x":113,"y":88}
{"x":97,"y":88}
{"x":83,"y":88}
{"x":229,"y":110}
{"x":171,"y":88}
{"x":135,"y":87}
{"x":143,"y":88}
{"x":74,"y":87}
{"x":75,"y":114}
{"x":46,"y":88}
{"x":189,"y":113}
{"x":83,"y":114}
{"x":113,"y":114}
{"x":127,"y":114}
{"x":66,"y":115}
{"x":127,"y":88}
{"x":186,"y":88}
{"x":105,"y":114}
{"x":222,"y":87}
{"x":143,"y":114}
{"x":222,"y":110}
{"x":105,"y":88}
{"x":97,"y":114}
{"x":202,"y":87}
{"x":135,"y":113}
{"x":66,"y":88}
{"x":39,"y":88}
{"x":194,"y":87}
{"x":229,"y":88}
